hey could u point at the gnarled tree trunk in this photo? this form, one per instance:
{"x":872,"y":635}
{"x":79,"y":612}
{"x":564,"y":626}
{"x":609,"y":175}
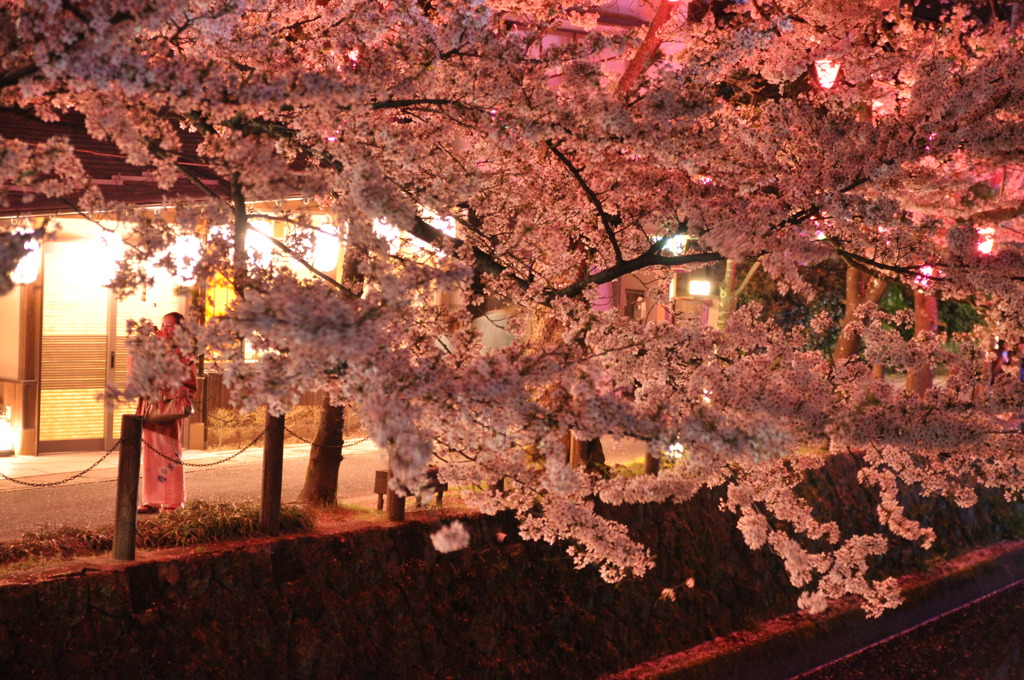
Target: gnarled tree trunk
{"x":321,"y":485}
{"x":859,"y":289}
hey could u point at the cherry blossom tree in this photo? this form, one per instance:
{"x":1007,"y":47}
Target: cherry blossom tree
{"x":568,"y":153}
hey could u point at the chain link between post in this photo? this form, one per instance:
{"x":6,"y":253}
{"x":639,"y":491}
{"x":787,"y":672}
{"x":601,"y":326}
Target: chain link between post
{"x":69,"y":479}
{"x":297,"y":436}
{"x":202,"y":465}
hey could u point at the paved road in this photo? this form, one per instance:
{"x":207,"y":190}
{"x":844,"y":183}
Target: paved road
{"x":89,"y":501}
{"x":980,"y":640}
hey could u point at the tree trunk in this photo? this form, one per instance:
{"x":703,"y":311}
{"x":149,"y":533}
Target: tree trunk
{"x":588,"y":453}
{"x":849,"y":342}
{"x":926,"y":319}
{"x":726,"y":294}
{"x":321,"y":485}
{"x":729,"y":292}
{"x":576,"y":452}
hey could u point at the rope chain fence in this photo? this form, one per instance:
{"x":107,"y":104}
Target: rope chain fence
{"x":297,"y":436}
{"x":162,"y":455}
{"x":203,"y":465}
{"x":69,"y":479}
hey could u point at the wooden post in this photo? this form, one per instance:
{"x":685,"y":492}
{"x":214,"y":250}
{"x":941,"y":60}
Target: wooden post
{"x":127,"y":487}
{"x":576,"y":451}
{"x":394,"y":504}
{"x":273,"y":468}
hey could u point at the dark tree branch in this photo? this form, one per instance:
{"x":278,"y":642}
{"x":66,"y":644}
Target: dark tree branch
{"x":807,"y":213}
{"x":608,"y":221}
{"x":650,"y":258}
{"x":283,"y":247}
{"x":872,"y":266}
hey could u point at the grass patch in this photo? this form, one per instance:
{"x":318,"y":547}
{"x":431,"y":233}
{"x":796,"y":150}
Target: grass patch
{"x":197,"y":523}
{"x":201,"y":522}
{"x":60,"y":543}
{"x":347,"y":511}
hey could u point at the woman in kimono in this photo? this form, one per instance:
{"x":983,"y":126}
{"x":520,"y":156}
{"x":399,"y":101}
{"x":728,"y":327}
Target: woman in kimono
{"x":163,"y":479}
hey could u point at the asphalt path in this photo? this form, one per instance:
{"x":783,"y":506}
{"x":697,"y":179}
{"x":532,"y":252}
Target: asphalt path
{"x":91,"y":504}
{"x":89,"y":501}
{"x":978,"y":640}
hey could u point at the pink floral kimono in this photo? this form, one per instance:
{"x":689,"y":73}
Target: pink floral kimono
{"x":163,"y":479}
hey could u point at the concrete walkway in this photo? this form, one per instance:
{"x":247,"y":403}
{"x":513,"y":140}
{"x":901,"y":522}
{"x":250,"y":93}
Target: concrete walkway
{"x":79,"y":489}
{"x":48,"y":468}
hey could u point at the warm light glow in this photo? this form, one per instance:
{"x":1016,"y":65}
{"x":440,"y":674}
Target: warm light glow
{"x":676,"y":450}
{"x":676,"y":244}
{"x":258,"y":244}
{"x":399,"y":240}
{"x":986,"y":240}
{"x":699,"y":288}
{"x":388,"y":232}
{"x":446,"y":225}
{"x":100,"y":260}
{"x":6,"y":433}
{"x":184,"y":253}
{"x":924,"y":279}
{"x":326,"y":248}
{"x":28,"y":267}
{"x":826,"y":71}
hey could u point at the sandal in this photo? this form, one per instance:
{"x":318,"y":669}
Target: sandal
{"x":146,"y":509}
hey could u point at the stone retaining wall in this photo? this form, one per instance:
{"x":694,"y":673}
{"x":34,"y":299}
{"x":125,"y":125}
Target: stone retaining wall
{"x":379,"y":602}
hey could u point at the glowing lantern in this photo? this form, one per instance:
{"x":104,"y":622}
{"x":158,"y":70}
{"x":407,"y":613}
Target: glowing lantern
{"x":326,"y":248}
{"x":676,"y":245}
{"x":28,"y":267}
{"x":826,"y":71}
{"x":986,"y":240}
{"x":699,"y":287}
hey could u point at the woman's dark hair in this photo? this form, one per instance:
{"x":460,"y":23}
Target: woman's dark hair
{"x":179,"y":319}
